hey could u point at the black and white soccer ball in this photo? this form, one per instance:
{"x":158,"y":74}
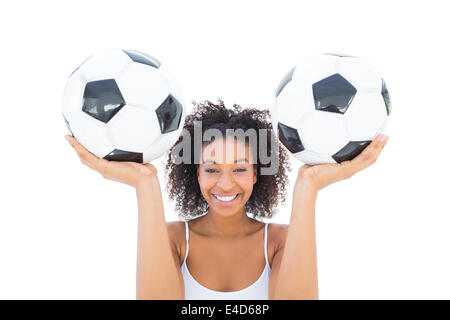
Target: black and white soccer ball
{"x":124,"y":105}
{"x":329,"y":108}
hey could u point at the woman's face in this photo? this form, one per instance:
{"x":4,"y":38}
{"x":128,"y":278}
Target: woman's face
{"x":226,"y":175}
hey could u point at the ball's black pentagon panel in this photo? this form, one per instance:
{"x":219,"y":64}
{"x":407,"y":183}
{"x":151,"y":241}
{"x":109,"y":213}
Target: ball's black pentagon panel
{"x":284,"y":81}
{"x":385,"y":94}
{"x":340,"y":55}
{"x":121,"y":155}
{"x":102,"y":99}
{"x":67,"y":125}
{"x":169,"y":114}
{"x":333,"y":94}
{"x":351,"y":150}
{"x":144,"y":59}
{"x":290,"y":138}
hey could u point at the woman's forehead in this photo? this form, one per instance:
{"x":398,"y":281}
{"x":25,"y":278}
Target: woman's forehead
{"x":227,"y":151}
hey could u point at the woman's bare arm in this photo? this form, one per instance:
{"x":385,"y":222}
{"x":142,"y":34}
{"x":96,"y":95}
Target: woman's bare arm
{"x":158,"y":274}
{"x":295,"y":275}
{"x":158,"y":269}
{"x":297,"y":272}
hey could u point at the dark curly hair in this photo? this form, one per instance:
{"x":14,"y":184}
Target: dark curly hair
{"x":182,"y":181}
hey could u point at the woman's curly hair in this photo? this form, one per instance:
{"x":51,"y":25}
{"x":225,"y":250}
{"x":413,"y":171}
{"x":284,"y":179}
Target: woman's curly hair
{"x":182,"y":181}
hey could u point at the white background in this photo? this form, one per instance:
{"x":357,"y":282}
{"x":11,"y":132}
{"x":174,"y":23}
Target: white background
{"x":65,"y":232}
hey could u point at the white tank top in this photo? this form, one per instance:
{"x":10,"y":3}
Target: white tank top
{"x":193,"y":290}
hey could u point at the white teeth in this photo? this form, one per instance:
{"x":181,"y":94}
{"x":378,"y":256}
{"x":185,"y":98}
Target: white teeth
{"x":226,"y":198}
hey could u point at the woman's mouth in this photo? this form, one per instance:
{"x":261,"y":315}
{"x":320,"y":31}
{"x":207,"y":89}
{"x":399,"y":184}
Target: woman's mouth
{"x":226,"y":200}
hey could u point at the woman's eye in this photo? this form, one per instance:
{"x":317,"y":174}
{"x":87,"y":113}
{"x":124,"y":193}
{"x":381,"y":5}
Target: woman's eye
{"x":210,"y":170}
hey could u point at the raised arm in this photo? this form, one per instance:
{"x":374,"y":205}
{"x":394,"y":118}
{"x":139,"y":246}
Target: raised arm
{"x":296,"y":274}
{"x":295,"y":267}
{"x":158,"y":274}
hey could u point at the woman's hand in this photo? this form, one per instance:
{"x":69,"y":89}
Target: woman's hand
{"x":319,"y":176}
{"x":130,"y":173}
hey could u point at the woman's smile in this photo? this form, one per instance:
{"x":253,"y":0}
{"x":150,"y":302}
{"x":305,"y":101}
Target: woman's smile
{"x":226,"y":200}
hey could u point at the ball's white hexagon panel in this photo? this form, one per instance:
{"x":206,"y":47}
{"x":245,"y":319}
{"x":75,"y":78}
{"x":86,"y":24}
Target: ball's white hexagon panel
{"x":384,"y":127}
{"x":360,"y":74}
{"x":73,"y":94}
{"x":315,"y":69}
{"x":323,"y":132}
{"x":134,"y":129}
{"x":105,"y":65}
{"x":274,"y":122}
{"x":365,"y":116}
{"x":161,"y":145}
{"x":294,"y":102}
{"x":173,"y":85}
{"x":143,"y":86}
{"x":313,"y":158}
{"x":91,"y":133}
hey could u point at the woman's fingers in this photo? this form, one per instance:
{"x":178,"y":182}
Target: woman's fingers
{"x":125,"y":172}
{"x":303,"y":168}
{"x":368,"y":156}
{"x":148,"y":169}
{"x":86,"y":157}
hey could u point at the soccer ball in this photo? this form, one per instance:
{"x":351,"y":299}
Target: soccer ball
{"x":329,"y":109}
{"x":124,"y":105}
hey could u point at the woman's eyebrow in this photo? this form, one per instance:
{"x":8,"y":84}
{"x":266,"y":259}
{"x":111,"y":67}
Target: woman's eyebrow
{"x":235,"y":161}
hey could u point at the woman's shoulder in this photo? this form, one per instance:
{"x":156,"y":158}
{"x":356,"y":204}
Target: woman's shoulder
{"x":276,"y":233}
{"x":177,"y":236}
{"x":277,"y":229}
{"x":175,"y":224}
{"x":176,"y":230}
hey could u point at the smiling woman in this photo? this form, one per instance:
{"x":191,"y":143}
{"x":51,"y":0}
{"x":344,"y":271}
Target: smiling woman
{"x":223,"y":253}
{"x":184,"y":180}
{"x":231,"y":255}
{"x":226,"y":187}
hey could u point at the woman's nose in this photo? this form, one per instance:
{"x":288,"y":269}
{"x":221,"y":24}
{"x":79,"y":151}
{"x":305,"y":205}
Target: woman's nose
{"x":225,"y":182}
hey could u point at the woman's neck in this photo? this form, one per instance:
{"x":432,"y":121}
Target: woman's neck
{"x":236,"y":225}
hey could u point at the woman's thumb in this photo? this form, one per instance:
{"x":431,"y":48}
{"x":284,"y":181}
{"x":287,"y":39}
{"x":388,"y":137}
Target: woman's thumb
{"x":148,"y":169}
